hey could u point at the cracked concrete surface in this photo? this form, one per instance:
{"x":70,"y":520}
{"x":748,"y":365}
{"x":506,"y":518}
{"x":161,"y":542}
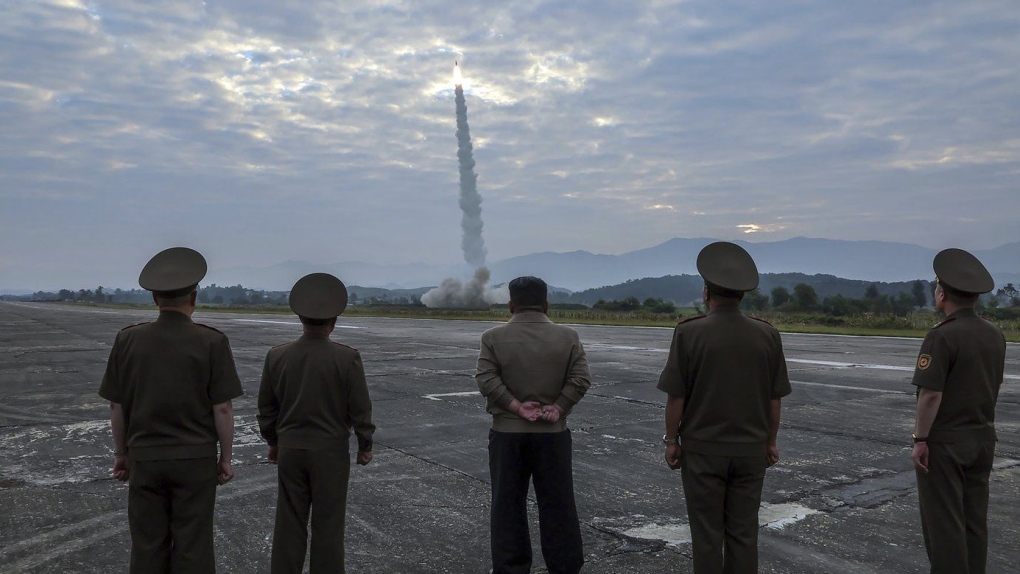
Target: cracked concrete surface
{"x":841,"y":500}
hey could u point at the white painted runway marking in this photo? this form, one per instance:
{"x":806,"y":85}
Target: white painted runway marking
{"x":837,"y":364}
{"x":843,"y":365}
{"x":439,"y":396}
{"x":288,"y":323}
{"x":624,"y":348}
{"x":848,"y":387}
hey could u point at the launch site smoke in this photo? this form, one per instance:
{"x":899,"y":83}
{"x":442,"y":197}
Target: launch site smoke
{"x":475,"y":292}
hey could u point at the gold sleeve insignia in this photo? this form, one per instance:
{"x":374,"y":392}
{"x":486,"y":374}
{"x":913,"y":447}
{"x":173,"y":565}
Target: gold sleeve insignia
{"x":923,"y":362}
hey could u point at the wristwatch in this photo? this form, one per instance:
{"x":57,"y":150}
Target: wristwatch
{"x":668,"y":442}
{"x":918,"y":439}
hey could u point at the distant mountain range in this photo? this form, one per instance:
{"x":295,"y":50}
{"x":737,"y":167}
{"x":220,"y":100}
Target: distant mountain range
{"x":580,"y":270}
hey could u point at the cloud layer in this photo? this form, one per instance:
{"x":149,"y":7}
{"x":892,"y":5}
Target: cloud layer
{"x":261,"y":131}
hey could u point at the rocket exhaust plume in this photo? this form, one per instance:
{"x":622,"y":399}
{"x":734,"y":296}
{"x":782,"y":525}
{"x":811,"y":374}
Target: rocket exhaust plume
{"x":475,"y":293}
{"x":470,"y":202}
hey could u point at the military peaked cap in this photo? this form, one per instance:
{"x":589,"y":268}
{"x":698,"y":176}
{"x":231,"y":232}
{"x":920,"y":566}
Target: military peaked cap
{"x":728,"y":266}
{"x":173,"y":272}
{"x":318,"y":296}
{"x":959,"y":270}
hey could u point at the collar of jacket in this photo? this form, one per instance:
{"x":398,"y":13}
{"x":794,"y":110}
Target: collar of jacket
{"x":173,"y":317}
{"x":964,"y":312}
{"x":529,"y":317}
{"x":725,"y":309}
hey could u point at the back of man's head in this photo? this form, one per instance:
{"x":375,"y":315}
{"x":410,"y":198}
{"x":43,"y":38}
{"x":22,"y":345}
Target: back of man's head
{"x":960,"y":298}
{"x":726,"y":295}
{"x":528,"y":291}
{"x":173,"y":299}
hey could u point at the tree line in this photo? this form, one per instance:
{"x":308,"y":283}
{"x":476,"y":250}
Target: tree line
{"x":1004,"y":303}
{"x":804,"y":298}
{"x":233,"y":295}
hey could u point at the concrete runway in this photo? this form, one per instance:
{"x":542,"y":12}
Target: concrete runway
{"x":841,"y":500}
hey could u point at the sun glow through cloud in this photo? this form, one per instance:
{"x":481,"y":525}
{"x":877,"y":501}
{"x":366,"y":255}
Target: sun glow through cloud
{"x":759,"y":228}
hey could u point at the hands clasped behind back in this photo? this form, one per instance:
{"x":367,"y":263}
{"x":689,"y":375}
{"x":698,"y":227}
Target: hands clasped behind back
{"x":533,"y":411}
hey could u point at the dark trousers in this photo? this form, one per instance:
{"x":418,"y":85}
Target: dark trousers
{"x":310,"y":482}
{"x":953,"y":497}
{"x":170,"y":515}
{"x":723,"y":495}
{"x":515,"y":459}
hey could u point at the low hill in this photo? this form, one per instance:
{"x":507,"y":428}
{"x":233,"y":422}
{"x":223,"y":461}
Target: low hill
{"x":683,"y":289}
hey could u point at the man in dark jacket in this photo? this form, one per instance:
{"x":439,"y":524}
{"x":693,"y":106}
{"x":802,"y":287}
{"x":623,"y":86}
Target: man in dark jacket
{"x":532,"y":372}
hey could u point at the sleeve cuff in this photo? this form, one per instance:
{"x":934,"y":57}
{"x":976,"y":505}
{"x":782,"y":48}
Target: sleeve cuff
{"x":503,"y":400}
{"x":930,"y":386}
{"x":671,"y":389}
{"x":565,"y":403}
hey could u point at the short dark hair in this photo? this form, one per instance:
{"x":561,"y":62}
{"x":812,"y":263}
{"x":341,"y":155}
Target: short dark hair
{"x":315,"y":322}
{"x":528,"y":291}
{"x":717,"y":291}
{"x":173,"y":298}
{"x":958,"y":297}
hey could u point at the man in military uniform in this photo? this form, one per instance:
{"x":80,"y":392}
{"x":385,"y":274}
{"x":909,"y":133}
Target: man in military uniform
{"x":170,"y":385}
{"x":725,"y":377}
{"x":958,"y":375}
{"x":313,"y":392}
{"x":532,"y":372}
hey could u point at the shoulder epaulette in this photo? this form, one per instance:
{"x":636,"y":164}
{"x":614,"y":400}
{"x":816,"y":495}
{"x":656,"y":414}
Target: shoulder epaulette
{"x":689,"y":319}
{"x":210,"y":328}
{"x":136,"y":325}
{"x":760,"y":319}
{"x":347,"y":346}
{"x":944,"y":321}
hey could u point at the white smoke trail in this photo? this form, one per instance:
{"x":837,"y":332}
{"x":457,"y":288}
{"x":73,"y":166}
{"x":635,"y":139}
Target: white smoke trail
{"x":475,"y":292}
{"x":470,"y":201}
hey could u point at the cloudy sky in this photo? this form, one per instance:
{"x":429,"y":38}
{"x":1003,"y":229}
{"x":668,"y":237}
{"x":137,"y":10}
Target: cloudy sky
{"x":260,"y":131}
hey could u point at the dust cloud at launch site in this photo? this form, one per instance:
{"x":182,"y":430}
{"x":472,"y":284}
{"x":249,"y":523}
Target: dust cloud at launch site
{"x":475,"y":291}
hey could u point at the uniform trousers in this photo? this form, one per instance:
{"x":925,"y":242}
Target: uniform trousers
{"x":953,"y":497}
{"x":723,"y":494}
{"x":170,"y":515}
{"x":310,"y":482}
{"x":515,"y":459}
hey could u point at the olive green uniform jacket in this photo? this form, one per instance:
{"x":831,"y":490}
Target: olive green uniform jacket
{"x":313,"y":394}
{"x":167,"y":375}
{"x":963,"y":358}
{"x":728,"y":367}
